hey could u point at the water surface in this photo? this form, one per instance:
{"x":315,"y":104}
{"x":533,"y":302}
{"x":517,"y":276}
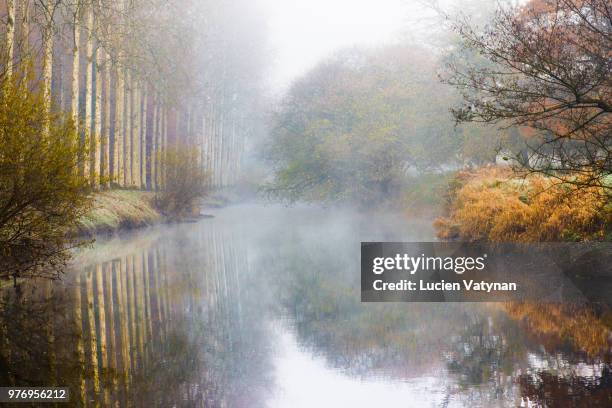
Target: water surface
{"x":260,"y":307}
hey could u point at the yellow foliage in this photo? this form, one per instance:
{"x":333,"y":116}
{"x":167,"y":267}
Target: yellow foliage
{"x":491,"y":205}
{"x":42,"y":195}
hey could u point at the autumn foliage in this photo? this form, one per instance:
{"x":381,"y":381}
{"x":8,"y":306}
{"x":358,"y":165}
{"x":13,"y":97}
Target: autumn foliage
{"x":490,"y":204}
{"x":184,"y":183}
{"x":42,"y":195}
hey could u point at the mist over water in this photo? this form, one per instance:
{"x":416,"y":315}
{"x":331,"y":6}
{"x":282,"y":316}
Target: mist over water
{"x":468,"y":121}
{"x":260,"y":306}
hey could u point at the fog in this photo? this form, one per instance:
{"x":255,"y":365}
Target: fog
{"x":302,"y":32}
{"x":234,"y":155}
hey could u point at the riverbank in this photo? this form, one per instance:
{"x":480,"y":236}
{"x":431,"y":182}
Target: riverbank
{"x":113,"y":211}
{"x":117,"y":210}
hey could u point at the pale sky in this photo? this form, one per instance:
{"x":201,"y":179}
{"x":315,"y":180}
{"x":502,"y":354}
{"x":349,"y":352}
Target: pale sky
{"x":302,"y":32}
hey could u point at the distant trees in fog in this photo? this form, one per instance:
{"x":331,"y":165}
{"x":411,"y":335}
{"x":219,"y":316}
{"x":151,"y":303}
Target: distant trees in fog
{"x":358,"y":124}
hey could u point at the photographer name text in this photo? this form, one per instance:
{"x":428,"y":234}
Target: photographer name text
{"x":413,"y":264}
{"x":469,"y":285}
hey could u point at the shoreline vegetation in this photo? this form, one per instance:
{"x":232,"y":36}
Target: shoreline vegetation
{"x":497,"y":204}
{"x":116,"y":211}
{"x":113,"y":211}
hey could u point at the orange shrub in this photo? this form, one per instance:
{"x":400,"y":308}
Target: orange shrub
{"x":491,"y":205}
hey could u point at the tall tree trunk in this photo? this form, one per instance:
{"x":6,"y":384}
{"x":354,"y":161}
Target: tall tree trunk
{"x":151,"y":146}
{"x":129,"y":129}
{"x":119,"y":126}
{"x":164,"y":150}
{"x":47,"y":62}
{"x":87,"y":125}
{"x":231,"y":151}
{"x":143,"y":139}
{"x":107,"y":123}
{"x":215,"y":146}
{"x":75,"y":74}
{"x":137,"y":112}
{"x":74,"y":80}
{"x":96,"y":131}
{"x":158,"y":157}
{"x":133,"y":131}
{"x":10,"y":36}
{"x":47,"y":71}
{"x":209,"y":142}
{"x":205,"y":138}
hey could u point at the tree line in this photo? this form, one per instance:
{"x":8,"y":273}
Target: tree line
{"x":138,"y":76}
{"x":157,"y":95}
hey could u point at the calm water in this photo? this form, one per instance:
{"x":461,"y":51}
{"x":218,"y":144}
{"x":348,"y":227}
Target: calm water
{"x":260,"y":307}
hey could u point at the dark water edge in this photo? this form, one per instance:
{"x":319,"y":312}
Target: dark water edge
{"x":259,"y":306}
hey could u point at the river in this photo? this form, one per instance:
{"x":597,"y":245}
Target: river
{"x":259,"y":306}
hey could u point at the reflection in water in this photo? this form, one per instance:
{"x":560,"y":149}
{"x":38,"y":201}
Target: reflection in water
{"x":139,"y":326}
{"x":261,"y":307}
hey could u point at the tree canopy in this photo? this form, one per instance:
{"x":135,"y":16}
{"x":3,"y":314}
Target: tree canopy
{"x":353,"y":127}
{"x":550,"y":71}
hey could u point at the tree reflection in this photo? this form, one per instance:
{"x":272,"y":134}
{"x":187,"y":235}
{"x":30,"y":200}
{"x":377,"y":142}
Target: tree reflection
{"x":184,"y":319}
{"x":152,"y":327}
{"x":549,"y":390}
{"x":485,"y":348}
{"x":37,"y":337}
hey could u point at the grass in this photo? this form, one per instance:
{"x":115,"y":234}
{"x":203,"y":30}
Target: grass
{"x":490,"y":204}
{"x":118,"y":210}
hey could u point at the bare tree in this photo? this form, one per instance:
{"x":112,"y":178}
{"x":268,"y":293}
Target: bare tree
{"x":550,"y":72}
